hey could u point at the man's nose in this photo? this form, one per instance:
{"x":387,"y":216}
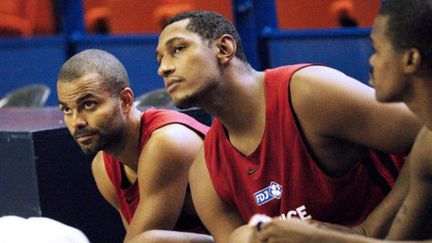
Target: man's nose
{"x":165,"y":69}
{"x":78,"y":121}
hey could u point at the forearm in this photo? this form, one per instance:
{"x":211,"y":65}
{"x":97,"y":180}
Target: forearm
{"x":147,"y":223}
{"x":241,"y":234}
{"x":165,"y":236}
{"x":339,"y":237}
{"x":343,"y":238}
{"x":359,"y":230}
{"x":378,"y":223}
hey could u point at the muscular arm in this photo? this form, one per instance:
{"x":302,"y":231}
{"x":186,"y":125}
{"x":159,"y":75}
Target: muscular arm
{"x":296,"y":231}
{"x":378,"y":223}
{"x":163,"y":178}
{"x":218,"y":217}
{"x":338,"y":113}
{"x":413,"y":221}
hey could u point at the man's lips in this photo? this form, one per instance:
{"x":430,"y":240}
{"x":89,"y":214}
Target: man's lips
{"x":171,"y":83}
{"x":84,"y":138}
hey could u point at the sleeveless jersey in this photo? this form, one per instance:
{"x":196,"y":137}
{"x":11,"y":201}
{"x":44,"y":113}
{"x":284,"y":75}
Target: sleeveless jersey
{"x":280,"y":178}
{"x":151,"y":120}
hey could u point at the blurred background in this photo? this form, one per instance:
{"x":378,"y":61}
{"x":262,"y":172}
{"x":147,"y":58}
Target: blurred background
{"x":37,"y":36}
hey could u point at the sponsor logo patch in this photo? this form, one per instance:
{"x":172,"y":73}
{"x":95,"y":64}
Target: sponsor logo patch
{"x":274,"y":191}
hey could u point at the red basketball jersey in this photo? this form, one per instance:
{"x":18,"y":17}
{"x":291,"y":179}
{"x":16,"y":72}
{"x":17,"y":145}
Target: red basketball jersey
{"x":280,"y":178}
{"x":151,"y":120}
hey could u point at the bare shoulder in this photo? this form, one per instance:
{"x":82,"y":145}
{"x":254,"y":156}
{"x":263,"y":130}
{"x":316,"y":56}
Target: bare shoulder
{"x":175,"y":139}
{"x":98,"y":166}
{"x":421,"y":155}
{"x":322,"y":82}
{"x":172,"y":131}
{"x":173,"y":146}
{"x":320,"y":93}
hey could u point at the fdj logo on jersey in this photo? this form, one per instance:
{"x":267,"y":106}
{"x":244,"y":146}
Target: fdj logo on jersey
{"x":269,"y":193}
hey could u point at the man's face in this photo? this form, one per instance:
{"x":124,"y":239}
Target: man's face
{"x":386,"y":75}
{"x":92,"y":115}
{"x":187,"y":64}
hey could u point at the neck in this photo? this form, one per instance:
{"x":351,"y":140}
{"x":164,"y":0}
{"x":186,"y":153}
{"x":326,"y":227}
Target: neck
{"x":128,"y":151}
{"x":241,"y":93}
{"x":420,"y":99}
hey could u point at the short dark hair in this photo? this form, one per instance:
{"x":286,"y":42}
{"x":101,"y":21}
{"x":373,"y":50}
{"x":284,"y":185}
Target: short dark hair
{"x":112,"y":71}
{"x":210,"y":26}
{"x":410,"y":25}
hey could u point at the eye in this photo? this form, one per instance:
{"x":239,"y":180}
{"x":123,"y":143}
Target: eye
{"x":88,"y":105}
{"x":178,"y":49}
{"x":66,"y":110}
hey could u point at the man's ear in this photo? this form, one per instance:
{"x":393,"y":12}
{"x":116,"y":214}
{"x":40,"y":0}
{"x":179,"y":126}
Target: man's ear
{"x":412,"y":60}
{"x":127,"y":99}
{"x":227,"y":48}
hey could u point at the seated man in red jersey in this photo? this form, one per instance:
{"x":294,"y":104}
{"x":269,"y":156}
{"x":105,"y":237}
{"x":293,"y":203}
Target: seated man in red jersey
{"x":401,"y":71}
{"x":295,"y":141}
{"x":143,"y":158}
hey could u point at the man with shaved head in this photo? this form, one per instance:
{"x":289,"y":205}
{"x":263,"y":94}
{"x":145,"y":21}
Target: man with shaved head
{"x":142,"y":158}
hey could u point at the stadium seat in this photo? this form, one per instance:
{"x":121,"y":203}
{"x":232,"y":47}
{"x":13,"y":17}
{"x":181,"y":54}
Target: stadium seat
{"x":34,"y":95}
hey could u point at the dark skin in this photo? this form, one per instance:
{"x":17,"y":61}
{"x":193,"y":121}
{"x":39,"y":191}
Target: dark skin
{"x":161,"y":166}
{"x":327,"y":129}
{"x":406,"y":212}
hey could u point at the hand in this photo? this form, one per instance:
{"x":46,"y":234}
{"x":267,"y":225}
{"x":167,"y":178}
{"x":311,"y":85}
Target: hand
{"x":293,"y":230}
{"x":258,"y":219}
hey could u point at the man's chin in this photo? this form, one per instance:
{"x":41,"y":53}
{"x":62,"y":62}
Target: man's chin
{"x":89,"y":149}
{"x":183,"y":104}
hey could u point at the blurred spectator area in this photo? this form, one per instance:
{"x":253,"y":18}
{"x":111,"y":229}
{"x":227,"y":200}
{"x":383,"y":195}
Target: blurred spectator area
{"x":38,"y":60}
{"x":142,"y":16}
{"x":27,"y":18}
{"x":147,"y":16}
{"x":315,"y":14}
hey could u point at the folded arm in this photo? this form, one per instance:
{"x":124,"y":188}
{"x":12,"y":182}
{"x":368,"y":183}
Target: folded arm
{"x":163,"y":178}
{"x":217,"y":216}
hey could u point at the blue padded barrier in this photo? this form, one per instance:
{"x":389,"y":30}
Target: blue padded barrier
{"x":27,"y":61}
{"x":347,"y":50}
{"x":137,"y":53}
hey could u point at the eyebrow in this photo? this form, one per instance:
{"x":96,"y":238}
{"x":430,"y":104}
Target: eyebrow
{"x":61,"y":103}
{"x":80,"y":99}
{"x":169,"y":43}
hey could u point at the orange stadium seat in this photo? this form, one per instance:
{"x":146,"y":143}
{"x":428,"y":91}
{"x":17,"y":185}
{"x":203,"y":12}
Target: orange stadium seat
{"x":143,"y":16}
{"x":17,"y":17}
{"x":315,"y":14}
{"x":26,"y":18}
{"x":45,"y":23}
{"x":96,"y":16}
